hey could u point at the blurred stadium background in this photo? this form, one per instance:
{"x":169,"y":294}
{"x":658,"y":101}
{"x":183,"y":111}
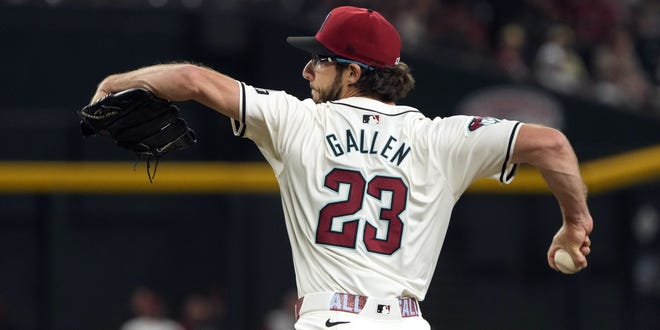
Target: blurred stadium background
{"x":73,"y":251}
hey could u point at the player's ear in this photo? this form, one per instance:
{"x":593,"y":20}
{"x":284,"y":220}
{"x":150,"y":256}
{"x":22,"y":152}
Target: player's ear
{"x":354,"y":73}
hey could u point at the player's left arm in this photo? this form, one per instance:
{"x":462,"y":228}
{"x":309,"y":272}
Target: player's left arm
{"x":178,"y":82}
{"x":548,"y":150}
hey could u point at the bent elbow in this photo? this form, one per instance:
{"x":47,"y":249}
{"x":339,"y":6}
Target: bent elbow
{"x":537,"y":145}
{"x":555,"y":142}
{"x":553,"y":149}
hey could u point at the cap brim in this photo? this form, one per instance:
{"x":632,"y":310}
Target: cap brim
{"x":310,"y":45}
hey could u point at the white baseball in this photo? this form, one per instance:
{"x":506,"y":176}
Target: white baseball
{"x":565,"y":262}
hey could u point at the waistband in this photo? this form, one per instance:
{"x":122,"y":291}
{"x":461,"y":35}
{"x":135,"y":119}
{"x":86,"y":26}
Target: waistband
{"x":356,"y":304}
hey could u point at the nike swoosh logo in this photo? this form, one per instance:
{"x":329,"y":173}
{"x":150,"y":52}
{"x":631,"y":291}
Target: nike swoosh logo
{"x":329,"y":323}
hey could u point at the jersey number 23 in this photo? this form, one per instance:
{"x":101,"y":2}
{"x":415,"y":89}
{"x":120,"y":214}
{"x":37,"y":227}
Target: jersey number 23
{"x":358,"y":187}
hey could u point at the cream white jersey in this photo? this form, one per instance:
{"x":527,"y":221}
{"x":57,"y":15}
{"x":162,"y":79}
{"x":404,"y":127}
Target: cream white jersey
{"x":368,"y":188}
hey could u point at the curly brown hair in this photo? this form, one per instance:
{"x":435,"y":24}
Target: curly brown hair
{"x":388,"y":84}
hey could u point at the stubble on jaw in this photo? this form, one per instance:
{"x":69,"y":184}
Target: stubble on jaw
{"x":332,"y":94}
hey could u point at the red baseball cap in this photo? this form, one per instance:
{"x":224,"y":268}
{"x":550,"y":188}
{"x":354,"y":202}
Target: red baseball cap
{"x":357,"y":34}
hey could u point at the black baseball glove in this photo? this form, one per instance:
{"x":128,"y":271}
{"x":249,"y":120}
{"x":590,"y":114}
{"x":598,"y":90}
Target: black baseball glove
{"x":138,"y":121}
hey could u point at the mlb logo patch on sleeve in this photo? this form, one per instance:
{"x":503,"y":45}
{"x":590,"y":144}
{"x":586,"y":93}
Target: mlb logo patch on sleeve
{"x":371,"y":119}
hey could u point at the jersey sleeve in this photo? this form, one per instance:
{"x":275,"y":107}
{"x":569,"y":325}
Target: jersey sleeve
{"x":272,"y":120}
{"x":476,"y":147}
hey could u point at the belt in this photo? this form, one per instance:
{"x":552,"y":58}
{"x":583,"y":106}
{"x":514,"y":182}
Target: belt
{"x":356,"y":304}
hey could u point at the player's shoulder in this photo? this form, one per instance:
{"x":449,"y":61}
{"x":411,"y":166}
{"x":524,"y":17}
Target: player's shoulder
{"x":466,"y":122}
{"x":279,"y":100}
{"x":265,"y":93}
{"x":444,"y":127}
{"x":440,"y":123}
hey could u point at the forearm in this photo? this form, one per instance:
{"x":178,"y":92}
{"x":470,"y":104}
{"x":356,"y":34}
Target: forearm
{"x":166,"y":80}
{"x":550,"y":152}
{"x":178,"y":82}
{"x":561,"y":172}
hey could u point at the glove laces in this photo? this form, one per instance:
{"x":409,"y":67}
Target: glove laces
{"x":151,"y":175}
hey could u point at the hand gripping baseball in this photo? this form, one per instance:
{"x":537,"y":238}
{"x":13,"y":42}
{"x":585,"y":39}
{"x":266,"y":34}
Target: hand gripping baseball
{"x":570,"y":248}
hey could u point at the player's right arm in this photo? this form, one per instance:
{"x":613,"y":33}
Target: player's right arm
{"x":549,"y":151}
{"x":179,"y":82}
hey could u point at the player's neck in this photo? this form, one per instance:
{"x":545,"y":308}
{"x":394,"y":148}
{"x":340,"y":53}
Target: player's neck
{"x":354,"y":92}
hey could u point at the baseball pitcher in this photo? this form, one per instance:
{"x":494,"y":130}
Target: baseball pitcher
{"x":368,"y":185}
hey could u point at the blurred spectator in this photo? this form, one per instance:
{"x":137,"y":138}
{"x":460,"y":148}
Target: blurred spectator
{"x":283,"y":317}
{"x":552,"y":10}
{"x":536,"y":17}
{"x":510,"y":52}
{"x":203,"y":312}
{"x":412,"y":21}
{"x":521,"y":45}
{"x":593,"y":21}
{"x":460,"y":25}
{"x":149,"y":312}
{"x":557,"y":65}
{"x":620,"y":80}
{"x":647,"y":26}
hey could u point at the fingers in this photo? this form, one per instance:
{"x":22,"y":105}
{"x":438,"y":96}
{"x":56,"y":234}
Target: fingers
{"x":551,"y":259}
{"x":578,"y":254}
{"x":98,"y":96}
{"x":585,"y":250}
{"x":580,"y":259}
{"x":586,"y":246}
{"x":575,"y":241}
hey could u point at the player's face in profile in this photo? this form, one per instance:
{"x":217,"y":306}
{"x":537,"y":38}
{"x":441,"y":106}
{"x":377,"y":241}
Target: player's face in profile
{"x":324,"y":80}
